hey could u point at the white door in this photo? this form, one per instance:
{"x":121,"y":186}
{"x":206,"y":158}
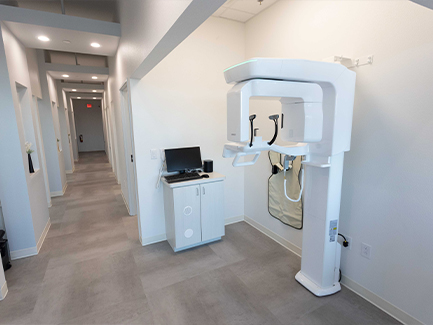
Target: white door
{"x":128,"y":138}
{"x":187,"y":215}
{"x":212,"y":210}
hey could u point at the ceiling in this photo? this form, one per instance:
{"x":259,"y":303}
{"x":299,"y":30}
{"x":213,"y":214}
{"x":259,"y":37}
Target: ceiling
{"x":80,"y":90}
{"x":78,"y":77}
{"x":105,"y":10}
{"x":79,"y":41}
{"x":242,"y":10}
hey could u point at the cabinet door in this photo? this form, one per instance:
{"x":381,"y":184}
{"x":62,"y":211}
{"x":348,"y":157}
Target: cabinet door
{"x":212,"y":210}
{"x":187,"y":215}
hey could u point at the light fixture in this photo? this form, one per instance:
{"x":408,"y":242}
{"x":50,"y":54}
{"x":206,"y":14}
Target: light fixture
{"x":43,"y":38}
{"x":65,"y":75}
{"x":94,"y":98}
{"x":95,"y":45}
{"x":66,"y":41}
{"x":260,"y":1}
{"x":94,"y":91}
{"x":74,"y":89}
{"x":78,"y":97}
{"x":94,"y":77}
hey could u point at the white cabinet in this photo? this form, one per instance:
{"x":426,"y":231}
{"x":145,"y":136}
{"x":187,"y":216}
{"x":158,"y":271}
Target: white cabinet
{"x":212,"y":210}
{"x":194,"y":211}
{"x":187,"y":223}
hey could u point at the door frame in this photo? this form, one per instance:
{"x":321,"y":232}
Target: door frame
{"x":127,"y":124}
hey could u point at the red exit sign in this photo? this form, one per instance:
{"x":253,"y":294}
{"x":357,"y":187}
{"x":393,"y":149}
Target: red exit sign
{"x":89,"y":105}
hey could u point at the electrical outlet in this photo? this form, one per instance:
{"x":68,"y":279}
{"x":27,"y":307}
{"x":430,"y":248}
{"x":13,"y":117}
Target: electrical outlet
{"x":349,"y":240}
{"x":154,"y":154}
{"x":366,"y":250}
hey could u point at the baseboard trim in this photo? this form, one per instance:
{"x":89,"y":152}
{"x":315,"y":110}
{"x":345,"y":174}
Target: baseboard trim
{"x":231,"y":220}
{"x":280,"y":240}
{"x":379,"y":302}
{"x":126,"y":203}
{"x":153,"y":239}
{"x":69,"y":171}
{"x":3,"y":291}
{"x":22,"y":253}
{"x":59,"y":193}
{"x":43,"y":235}
{"x":353,"y":286}
{"x":56,"y":193}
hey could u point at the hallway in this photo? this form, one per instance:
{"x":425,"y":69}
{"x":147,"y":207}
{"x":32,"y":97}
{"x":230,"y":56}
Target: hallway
{"x":85,"y":262}
{"x":93,"y":270}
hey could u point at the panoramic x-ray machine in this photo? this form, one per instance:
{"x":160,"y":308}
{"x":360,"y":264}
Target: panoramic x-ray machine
{"x":316,"y":118}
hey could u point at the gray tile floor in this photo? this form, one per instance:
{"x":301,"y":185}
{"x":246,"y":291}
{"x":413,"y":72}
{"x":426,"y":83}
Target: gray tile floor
{"x":92,"y":270}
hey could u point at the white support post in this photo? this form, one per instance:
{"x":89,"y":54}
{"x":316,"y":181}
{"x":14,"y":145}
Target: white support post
{"x":322,"y":197}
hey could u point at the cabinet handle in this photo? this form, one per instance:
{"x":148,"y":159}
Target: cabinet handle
{"x":204,"y":191}
{"x":197,"y":191}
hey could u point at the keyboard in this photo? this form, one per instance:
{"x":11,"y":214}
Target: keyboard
{"x":182,"y":177}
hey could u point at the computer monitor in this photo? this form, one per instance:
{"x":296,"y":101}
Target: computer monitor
{"x":180,"y":159}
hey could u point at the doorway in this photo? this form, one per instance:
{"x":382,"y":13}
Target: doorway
{"x":88,"y":123}
{"x":128,"y":138}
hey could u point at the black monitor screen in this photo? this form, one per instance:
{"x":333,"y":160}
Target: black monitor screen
{"x":183,"y":158}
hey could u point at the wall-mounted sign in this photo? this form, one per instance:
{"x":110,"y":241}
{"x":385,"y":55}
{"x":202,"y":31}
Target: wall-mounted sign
{"x":89,"y":105}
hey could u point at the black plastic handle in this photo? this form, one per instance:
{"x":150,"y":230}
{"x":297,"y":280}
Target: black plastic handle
{"x":275,"y":119}
{"x":252,"y":117}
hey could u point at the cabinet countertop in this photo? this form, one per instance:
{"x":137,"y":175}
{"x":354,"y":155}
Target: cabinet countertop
{"x":213,"y":177}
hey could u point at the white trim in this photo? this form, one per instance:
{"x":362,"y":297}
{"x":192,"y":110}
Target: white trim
{"x":26,"y":252}
{"x":379,"y":302}
{"x":76,"y":160}
{"x":153,"y":239}
{"x":280,"y":240}
{"x":231,"y":220}
{"x":56,"y":193}
{"x":124,"y":200}
{"x":69,"y":171}
{"x":4,"y":291}
{"x":43,"y":235}
{"x":59,"y":193}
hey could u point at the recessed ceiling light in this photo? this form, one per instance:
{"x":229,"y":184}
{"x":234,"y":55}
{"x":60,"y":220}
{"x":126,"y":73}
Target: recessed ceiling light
{"x":94,"y":91}
{"x":78,"y":97}
{"x":66,"y":41}
{"x":43,"y":38}
{"x":94,"y":77}
{"x":65,"y":75}
{"x":74,"y":89}
{"x":95,"y":45}
{"x":94,"y":97}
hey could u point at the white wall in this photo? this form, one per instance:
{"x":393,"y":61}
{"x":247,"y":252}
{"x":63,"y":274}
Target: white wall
{"x":23,"y":197}
{"x":144,"y":24}
{"x":65,"y":131}
{"x":49,"y":118}
{"x":72,"y":127}
{"x":181,"y":103}
{"x":386,"y":200}
{"x":32,"y":61}
{"x":88,"y":122}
